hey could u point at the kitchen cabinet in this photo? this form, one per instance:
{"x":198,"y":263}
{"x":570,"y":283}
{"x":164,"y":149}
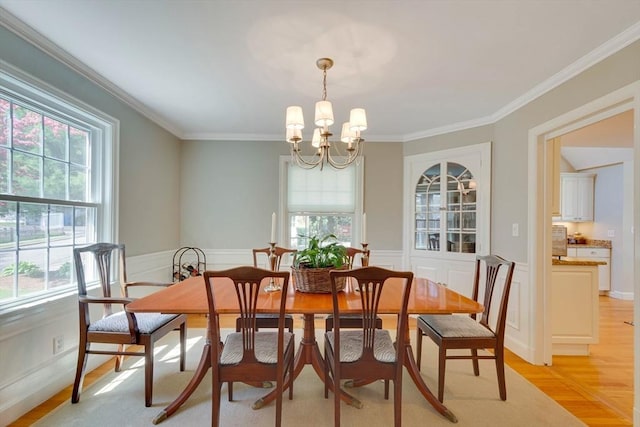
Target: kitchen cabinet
{"x":574,"y":308}
{"x":576,"y":196}
{"x":596,"y":254}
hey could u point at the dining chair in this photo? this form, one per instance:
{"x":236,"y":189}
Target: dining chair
{"x":117,"y":327}
{"x":267,"y":320}
{"x":249,"y":355}
{"x":466,"y":332}
{"x":352,"y":320}
{"x":368,"y":353}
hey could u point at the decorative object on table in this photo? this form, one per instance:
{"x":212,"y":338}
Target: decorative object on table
{"x":312,"y":264}
{"x":322,"y":155}
{"x":188,"y":262}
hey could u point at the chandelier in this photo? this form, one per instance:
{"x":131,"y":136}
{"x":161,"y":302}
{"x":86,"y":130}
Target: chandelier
{"x":350,"y":135}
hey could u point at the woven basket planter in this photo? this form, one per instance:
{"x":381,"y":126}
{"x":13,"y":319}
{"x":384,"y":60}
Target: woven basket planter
{"x":316,"y":280}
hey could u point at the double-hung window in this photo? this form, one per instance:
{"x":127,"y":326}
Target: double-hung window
{"x":56,"y":187}
{"x":320,"y":202}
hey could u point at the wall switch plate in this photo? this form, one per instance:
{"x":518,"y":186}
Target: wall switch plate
{"x":515,"y":230}
{"x":58,"y":344}
{"x":611,"y":233}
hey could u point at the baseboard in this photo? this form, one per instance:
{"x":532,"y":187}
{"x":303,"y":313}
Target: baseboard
{"x":621,"y":295}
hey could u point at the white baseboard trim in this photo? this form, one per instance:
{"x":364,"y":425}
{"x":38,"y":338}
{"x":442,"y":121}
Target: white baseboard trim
{"x":621,"y":295}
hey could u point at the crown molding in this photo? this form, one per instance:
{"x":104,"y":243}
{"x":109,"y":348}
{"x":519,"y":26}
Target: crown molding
{"x":603,"y":51}
{"x":22,"y":30}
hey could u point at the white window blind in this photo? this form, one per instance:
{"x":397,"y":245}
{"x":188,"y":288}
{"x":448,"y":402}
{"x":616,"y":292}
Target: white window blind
{"x":322,"y":191}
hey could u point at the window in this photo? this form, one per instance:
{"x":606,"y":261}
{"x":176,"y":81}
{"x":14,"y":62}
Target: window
{"x":319,"y":202}
{"x":56,"y":187}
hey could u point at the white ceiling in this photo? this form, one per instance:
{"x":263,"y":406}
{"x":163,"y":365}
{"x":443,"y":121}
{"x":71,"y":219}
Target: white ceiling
{"x":228,"y":69}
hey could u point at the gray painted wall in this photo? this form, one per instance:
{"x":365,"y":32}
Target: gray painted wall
{"x":149,"y":155}
{"x":229,"y":190}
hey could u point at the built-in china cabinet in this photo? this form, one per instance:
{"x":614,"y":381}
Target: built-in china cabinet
{"x":447,"y":202}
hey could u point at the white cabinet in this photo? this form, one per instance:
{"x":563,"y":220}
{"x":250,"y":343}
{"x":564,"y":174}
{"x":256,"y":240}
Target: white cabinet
{"x":574,"y":309}
{"x":596,"y":254}
{"x":576,"y":196}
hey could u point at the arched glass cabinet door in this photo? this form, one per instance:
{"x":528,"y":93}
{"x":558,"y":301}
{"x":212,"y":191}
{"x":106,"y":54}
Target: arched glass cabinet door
{"x":445,"y":209}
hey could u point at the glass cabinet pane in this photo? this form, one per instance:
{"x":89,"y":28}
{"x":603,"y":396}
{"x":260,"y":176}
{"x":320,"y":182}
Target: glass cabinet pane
{"x":445,"y":209}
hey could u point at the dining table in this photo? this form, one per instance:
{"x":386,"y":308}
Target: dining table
{"x":189,"y":297}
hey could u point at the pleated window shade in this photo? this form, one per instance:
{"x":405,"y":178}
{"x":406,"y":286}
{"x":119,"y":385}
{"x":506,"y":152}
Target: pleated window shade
{"x":321,"y":191}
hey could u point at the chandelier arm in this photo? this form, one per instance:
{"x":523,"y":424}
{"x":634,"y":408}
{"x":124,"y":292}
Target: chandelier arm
{"x":351,"y":156}
{"x":303,"y":163}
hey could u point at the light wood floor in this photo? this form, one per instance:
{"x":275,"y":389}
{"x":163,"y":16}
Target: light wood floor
{"x":597,"y":389}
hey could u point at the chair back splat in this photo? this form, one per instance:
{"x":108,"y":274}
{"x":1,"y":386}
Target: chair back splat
{"x":266,"y":320}
{"x":466,"y":332}
{"x":352,"y":320}
{"x":249,"y":355}
{"x":117,"y":327}
{"x":367,"y":354}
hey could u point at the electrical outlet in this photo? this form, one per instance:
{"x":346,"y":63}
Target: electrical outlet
{"x":515,"y":230}
{"x":611,"y":233}
{"x":58,"y":344}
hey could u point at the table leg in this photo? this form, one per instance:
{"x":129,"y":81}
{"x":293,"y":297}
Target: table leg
{"x":308,"y":354}
{"x":201,"y":370}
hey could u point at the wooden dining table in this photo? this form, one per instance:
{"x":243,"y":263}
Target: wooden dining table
{"x":189,"y":297}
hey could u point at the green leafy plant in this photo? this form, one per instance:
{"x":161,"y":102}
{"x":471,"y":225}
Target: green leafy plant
{"x":322,"y":253}
{"x":24,"y":267}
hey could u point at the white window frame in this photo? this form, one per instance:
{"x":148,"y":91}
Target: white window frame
{"x":284,"y":214}
{"x":43,"y":97}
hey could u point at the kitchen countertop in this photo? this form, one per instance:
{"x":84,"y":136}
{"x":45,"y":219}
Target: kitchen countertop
{"x":592,"y":244}
{"x":576,"y":261}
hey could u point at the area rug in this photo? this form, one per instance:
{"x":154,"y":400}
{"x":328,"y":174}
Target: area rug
{"x":117,"y":399}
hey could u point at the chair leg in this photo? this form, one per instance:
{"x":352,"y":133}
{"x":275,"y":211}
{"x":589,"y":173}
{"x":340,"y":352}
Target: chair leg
{"x":148,"y":374}
{"x":442,"y":362}
{"x":230,"y":391}
{"x":418,"y":347}
{"x":474,"y":360}
{"x":119,"y":358}
{"x":82,"y":364}
{"x":336,"y":397}
{"x":215,"y":399}
{"x":397,"y":402}
{"x":500,"y":370}
{"x":386,"y":389}
{"x":183,"y":345}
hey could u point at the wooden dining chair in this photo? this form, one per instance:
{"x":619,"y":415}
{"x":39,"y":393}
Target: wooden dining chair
{"x":266,"y":320}
{"x":466,"y":332}
{"x":368,"y":353}
{"x":249,"y":355}
{"x":117,"y":327}
{"x":352,"y":320}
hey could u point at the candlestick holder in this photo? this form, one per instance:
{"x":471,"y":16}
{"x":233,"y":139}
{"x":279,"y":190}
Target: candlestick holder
{"x":273,"y":263}
{"x":365,"y":254}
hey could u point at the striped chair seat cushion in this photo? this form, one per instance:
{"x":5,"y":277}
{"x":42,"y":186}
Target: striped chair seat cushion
{"x":455,"y":326}
{"x":117,"y":322}
{"x":266,"y":347}
{"x":351,"y":345}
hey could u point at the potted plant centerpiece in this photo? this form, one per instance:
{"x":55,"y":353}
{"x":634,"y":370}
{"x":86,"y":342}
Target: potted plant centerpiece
{"x":313,"y":263}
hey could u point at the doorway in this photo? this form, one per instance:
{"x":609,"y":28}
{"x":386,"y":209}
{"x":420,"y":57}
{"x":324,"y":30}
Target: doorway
{"x":540,"y":187}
